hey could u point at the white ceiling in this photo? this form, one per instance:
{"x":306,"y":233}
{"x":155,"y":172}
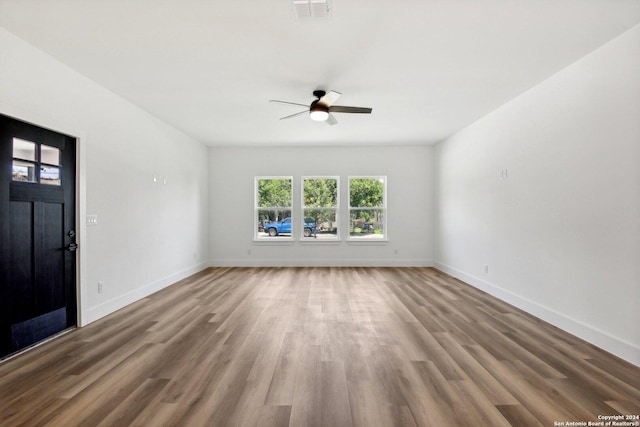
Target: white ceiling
{"x":428,"y":68}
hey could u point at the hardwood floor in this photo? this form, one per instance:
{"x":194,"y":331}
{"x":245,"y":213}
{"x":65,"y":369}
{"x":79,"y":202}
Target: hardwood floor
{"x":316,"y":347}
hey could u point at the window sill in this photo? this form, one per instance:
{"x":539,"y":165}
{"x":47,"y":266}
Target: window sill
{"x":321,"y":242}
{"x":367,"y":242}
{"x":289,"y":241}
{"x":278,"y":241}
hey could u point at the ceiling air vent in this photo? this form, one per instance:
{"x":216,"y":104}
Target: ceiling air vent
{"x":311,"y":8}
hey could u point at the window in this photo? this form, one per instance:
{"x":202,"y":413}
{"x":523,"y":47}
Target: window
{"x":367,"y":208}
{"x":320,"y":208}
{"x":273,"y":203}
{"x":318,"y":215}
{"x":36,"y":163}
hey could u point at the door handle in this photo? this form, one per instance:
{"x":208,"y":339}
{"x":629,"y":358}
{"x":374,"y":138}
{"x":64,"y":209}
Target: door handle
{"x":72,"y":247}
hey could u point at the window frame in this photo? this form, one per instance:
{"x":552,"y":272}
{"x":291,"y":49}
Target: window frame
{"x":372,"y":238}
{"x":335,"y":209}
{"x":37,"y":163}
{"x":256,"y":210}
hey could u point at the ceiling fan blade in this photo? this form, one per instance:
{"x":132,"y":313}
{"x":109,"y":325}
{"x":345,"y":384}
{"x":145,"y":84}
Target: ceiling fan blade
{"x":343,"y":109}
{"x":296,"y":114}
{"x":329,"y":98}
{"x":331,"y":120}
{"x":287,"y":102}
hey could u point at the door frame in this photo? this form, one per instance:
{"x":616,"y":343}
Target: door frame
{"x":55,"y":124}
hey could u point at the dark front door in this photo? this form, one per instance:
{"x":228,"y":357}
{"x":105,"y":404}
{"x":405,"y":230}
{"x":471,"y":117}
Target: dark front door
{"x":37,"y":234}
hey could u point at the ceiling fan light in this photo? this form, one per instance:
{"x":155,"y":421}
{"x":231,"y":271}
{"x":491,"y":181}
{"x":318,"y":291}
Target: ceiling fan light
{"x":319,"y":115}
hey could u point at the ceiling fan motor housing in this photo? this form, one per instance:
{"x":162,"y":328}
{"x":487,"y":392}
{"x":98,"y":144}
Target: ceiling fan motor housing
{"x":318,"y":112}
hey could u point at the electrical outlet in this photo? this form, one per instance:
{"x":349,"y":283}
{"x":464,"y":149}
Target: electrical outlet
{"x":249,"y":251}
{"x":486,"y":268}
{"x":100,"y":287}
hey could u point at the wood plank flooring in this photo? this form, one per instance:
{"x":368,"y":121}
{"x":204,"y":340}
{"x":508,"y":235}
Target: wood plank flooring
{"x":316,"y":347}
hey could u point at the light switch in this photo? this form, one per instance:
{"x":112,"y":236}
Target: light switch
{"x":92,"y":219}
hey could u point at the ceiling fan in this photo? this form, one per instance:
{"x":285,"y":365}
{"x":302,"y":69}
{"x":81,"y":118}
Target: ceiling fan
{"x":321,"y":108}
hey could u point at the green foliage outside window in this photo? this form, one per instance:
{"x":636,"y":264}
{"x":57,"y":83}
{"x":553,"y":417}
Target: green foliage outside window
{"x":321,"y":193}
{"x":366,"y":193}
{"x":274,"y":200}
{"x":366,"y":207}
{"x":274,"y":193}
{"x":320,"y":200}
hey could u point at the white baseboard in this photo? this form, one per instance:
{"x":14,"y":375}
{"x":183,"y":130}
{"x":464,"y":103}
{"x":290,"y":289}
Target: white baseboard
{"x":604,"y":340}
{"x":108,"y":307}
{"x":321,"y":263}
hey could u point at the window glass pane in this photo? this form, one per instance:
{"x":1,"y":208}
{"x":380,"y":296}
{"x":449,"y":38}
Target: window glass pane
{"x":49,"y":155}
{"x":366,"y":192}
{"x":274,"y":222}
{"x":274,"y":192}
{"x":24,"y":150}
{"x":319,"y":206}
{"x":24,"y":171}
{"x":320,"y":224}
{"x":273,"y":210}
{"x":320,"y":192}
{"x":366,"y":223}
{"x":367,"y":211}
{"x":50,"y":175}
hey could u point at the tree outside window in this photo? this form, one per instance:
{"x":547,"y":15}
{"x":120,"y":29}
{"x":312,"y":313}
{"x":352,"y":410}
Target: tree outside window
{"x":320,"y":207}
{"x":367,"y":207}
{"x":273,"y":206}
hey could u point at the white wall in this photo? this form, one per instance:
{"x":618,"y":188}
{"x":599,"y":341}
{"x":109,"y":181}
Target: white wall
{"x":409,"y":172}
{"x":149,"y":234}
{"x":561,"y":234}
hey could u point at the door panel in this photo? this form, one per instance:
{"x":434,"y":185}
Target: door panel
{"x":37,"y":222}
{"x":21,"y":272}
{"x":49,"y":257}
